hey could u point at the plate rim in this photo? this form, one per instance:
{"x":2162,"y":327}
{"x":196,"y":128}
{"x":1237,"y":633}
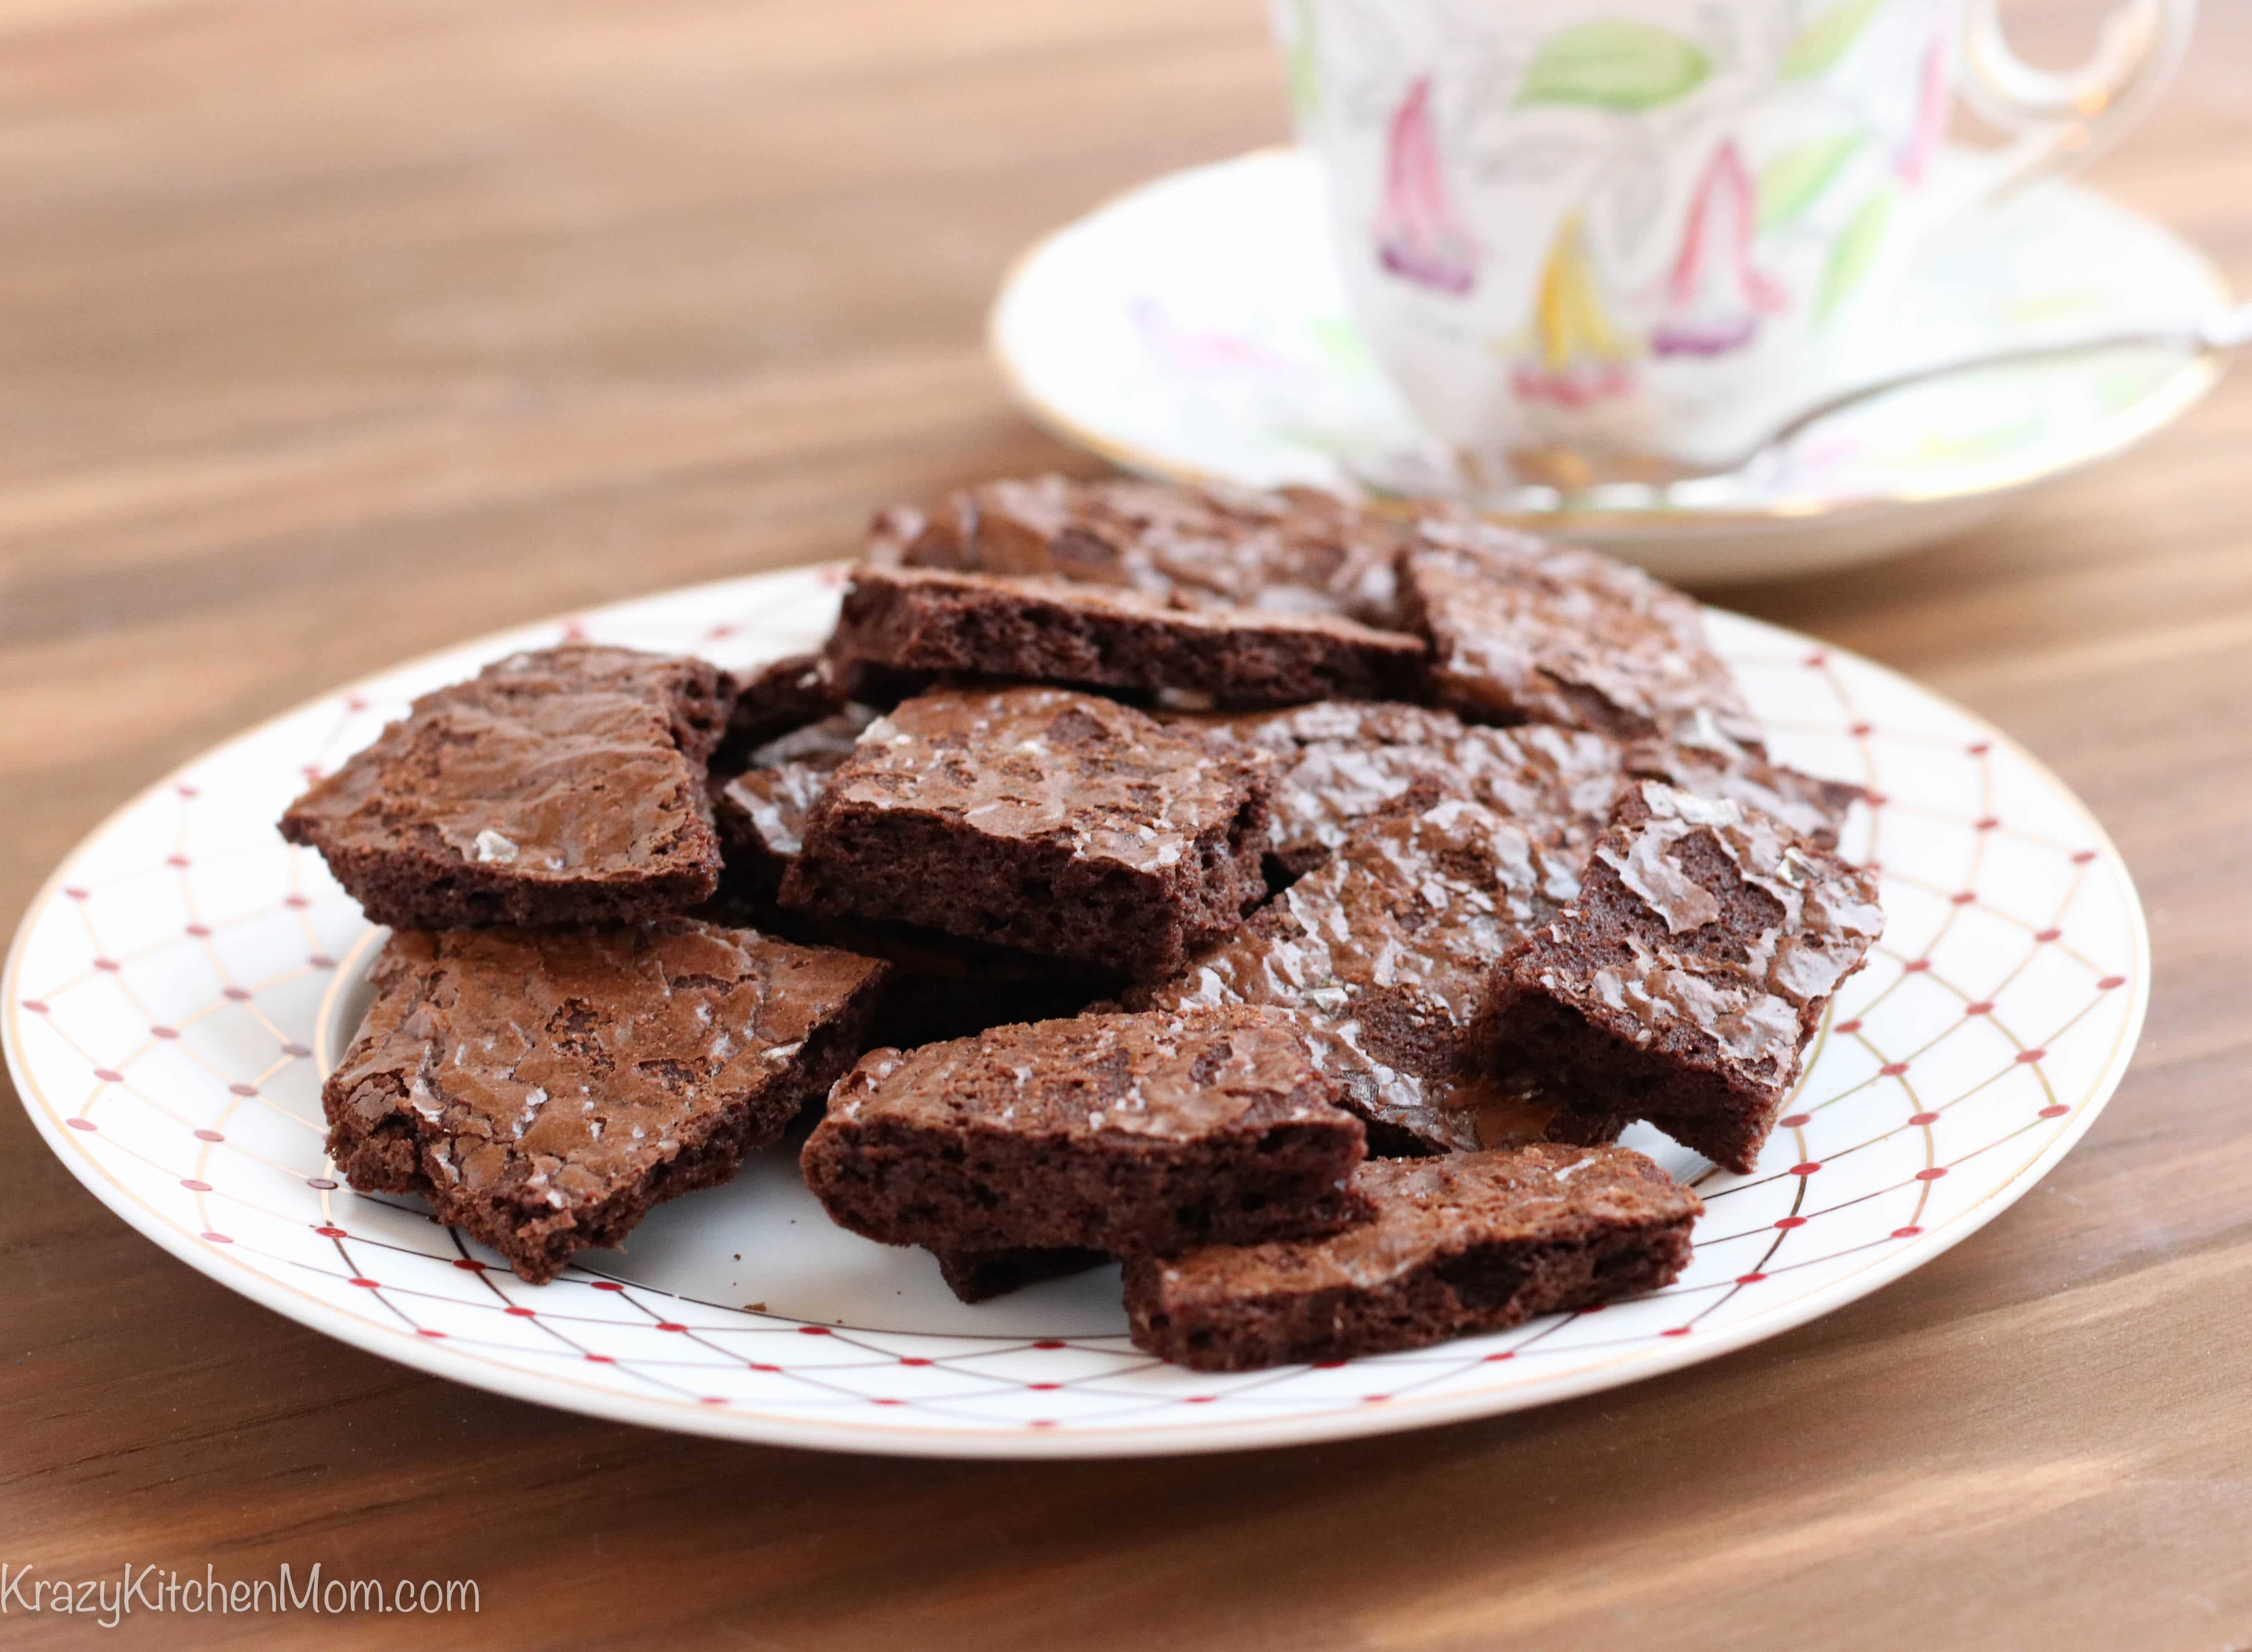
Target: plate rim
{"x":738,"y":1422}
{"x":2120,"y":432}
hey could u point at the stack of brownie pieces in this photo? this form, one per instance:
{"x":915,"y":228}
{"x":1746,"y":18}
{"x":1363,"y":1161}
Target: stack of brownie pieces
{"x":1290,"y":902}
{"x":556,"y":1043}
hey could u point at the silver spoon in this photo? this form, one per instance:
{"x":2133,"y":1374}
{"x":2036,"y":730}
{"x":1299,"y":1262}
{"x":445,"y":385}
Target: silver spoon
{"x":1437,"y":475}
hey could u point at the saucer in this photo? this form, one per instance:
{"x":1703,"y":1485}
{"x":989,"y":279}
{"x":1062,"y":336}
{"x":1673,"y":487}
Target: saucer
{"x":1196,"y":329}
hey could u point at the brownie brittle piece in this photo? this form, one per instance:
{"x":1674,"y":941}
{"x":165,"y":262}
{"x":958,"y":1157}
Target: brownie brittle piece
{"x":1522,"y":631}
{"x":1683,"y":983}
{"x":1119,"y":1133}
{"x":822,"y":745}
{"x":1298,"y":549}
{"x":760,"y":812}
{"x":941,"y":986}
{"x":544,"y":1088}
{"x":561,"y":786}
{"x":1100,"y":637}
{"x":1468,"y":1243}
{"x":1385,"y":949}
{"x":1057,"y":823}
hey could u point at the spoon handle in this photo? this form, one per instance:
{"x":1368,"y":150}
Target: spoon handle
{"x":1429,"y":475}
{"x":2224,"y":329}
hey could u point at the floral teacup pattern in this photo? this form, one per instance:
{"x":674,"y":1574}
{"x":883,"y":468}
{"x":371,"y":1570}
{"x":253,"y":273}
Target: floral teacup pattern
{"x":1643,"y":227}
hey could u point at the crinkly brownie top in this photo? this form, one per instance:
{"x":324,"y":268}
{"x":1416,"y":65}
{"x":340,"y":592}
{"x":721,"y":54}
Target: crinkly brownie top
{"x":1157,"y":1077}
{"x":1545,"y":1193}
{"x":1526,"y":631}
{"x":569,"y":1062}
{"x":1298,"y":549}
{"x":1049,"y":765}
{"x":568,"y":763}
{"x":1733,"y":924}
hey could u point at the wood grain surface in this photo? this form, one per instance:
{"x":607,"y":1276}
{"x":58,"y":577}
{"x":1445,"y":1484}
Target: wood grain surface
{"x":333,"y":331}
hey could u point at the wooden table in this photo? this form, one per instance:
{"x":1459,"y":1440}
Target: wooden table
{"x":330,"y":332}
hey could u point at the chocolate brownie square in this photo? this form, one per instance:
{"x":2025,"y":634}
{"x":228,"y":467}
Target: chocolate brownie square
{"x":1116,"y":1133}
{"x":1472,"y":1242}
{"x":544,"y":1088}
{"x":979,"y":1276}
{"x":940,"y":986}
{"x":1101,"y":636}
{"x":561,"y":786}
{"x":1684,"y":982}
{"x":1339,"y":762}
{"x":1385,"y":949}
{"x":1522,"y":631}
{"x":1299,"y":549}
{"x":1053,"y":822}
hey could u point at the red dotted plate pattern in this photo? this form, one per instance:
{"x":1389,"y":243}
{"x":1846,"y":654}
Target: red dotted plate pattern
{"x":166,"y":996}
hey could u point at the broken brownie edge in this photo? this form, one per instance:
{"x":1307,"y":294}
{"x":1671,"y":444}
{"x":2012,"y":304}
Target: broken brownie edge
{"x":1684,"y":981}
{"x":1055,"y":822}
{"x":556,"y":787}
{"x":544,"y":1088}
{"x":1457,"y":1245}
{"x":1115,"y":1133}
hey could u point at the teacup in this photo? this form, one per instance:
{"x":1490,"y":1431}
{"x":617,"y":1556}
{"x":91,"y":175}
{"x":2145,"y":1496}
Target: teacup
{"x":1599,"y":239}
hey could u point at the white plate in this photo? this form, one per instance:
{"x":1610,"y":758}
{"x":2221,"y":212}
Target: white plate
{"x":1196,"y":328}
{"x":165,"y":999}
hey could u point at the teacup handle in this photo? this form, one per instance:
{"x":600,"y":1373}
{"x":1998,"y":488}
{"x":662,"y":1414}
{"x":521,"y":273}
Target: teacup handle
{"x":2065,"y":121}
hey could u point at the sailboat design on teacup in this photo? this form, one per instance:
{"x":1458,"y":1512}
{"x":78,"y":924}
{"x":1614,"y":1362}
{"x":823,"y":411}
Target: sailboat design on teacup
{"x":1577,"y":356}
{"x":1715,"y":294}
{"x":1418,"y":238}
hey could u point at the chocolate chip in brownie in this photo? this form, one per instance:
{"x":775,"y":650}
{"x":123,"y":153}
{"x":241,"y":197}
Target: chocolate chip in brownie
{"x":1684,"y":981}
{"x":1056,"y":823}
{"x":544,"y":1088}
{"x":1467,"y":1243}
{"x":560,"y":787}
{"x":1118,"y":1133}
